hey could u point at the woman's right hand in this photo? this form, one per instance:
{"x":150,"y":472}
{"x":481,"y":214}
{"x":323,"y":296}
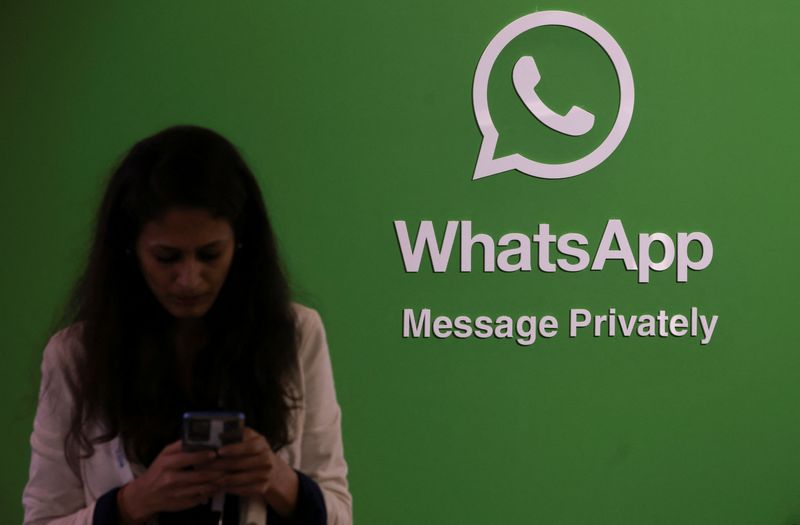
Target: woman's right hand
{"x":169,"y":484}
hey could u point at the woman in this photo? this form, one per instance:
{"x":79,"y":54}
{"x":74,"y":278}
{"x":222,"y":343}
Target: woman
{"x":183,"y":306}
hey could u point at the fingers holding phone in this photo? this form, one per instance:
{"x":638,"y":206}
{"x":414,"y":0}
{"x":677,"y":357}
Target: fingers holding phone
{"x":245,"y":461}
{"x":248,"y":465}
{"x":175,"y":481}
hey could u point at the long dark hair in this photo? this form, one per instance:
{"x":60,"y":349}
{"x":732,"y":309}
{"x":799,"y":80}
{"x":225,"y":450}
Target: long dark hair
{"x":126,"y":380}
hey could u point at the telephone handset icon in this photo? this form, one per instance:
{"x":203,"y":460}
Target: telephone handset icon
{"x":526,"y":75}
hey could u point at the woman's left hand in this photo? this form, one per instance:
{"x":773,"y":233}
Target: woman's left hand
{"x":253,"y":469}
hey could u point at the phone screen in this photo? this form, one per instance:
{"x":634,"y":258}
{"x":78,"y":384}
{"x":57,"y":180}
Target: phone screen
{"x":210,"y":430}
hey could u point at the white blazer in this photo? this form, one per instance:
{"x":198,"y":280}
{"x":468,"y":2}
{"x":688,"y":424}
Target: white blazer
{"x":54,"y":495}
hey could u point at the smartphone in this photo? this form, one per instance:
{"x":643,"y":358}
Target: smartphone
{"x":210,"y":430}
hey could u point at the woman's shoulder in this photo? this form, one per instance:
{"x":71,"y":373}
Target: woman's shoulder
{"x":313,"y":344}
{"x":70,"y":334}
{"x":305,"y":317}
{"x":59,"y":370}
{"x":63,"y":347}
{"x":310,"y":331}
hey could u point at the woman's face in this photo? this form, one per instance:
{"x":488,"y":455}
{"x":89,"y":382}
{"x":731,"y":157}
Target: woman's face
{"x":185,"y":256}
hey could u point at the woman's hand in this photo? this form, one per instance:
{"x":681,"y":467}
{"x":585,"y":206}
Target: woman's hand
{"x":251,"y":468}
{"x":169,"y":485}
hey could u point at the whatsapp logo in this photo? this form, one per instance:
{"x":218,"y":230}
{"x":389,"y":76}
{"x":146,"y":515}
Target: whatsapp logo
{"x":584,"y":130}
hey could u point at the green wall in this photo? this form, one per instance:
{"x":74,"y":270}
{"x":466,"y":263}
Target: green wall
{"x":357,"y":114}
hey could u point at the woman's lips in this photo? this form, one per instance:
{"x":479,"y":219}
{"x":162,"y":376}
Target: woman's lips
{"x":188,"y":300}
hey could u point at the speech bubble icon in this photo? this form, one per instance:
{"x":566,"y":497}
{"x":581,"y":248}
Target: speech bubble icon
{"x":581,"y":122}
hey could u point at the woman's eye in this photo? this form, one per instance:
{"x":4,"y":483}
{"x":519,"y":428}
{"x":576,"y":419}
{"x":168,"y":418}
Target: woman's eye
{"x":167,"y":259}
{"x":201,"y":256}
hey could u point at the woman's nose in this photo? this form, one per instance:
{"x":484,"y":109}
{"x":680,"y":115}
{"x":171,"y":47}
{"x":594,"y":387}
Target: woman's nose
{"x":189,"y":274}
